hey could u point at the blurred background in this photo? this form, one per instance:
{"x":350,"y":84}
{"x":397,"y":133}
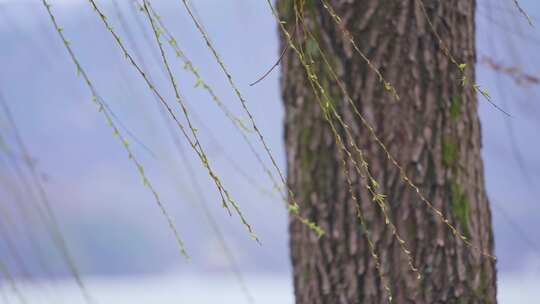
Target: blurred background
{"x":56,"y":147}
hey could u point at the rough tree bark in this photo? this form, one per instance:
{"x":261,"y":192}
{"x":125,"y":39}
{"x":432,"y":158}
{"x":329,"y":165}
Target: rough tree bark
{"x":434,"y":133}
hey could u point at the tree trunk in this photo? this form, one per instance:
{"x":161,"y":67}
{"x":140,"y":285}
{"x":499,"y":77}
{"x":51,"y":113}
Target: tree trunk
{"x":433,"y":131}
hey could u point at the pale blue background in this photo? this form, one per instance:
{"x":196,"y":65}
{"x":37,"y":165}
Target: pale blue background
{"x":118,"y":236}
